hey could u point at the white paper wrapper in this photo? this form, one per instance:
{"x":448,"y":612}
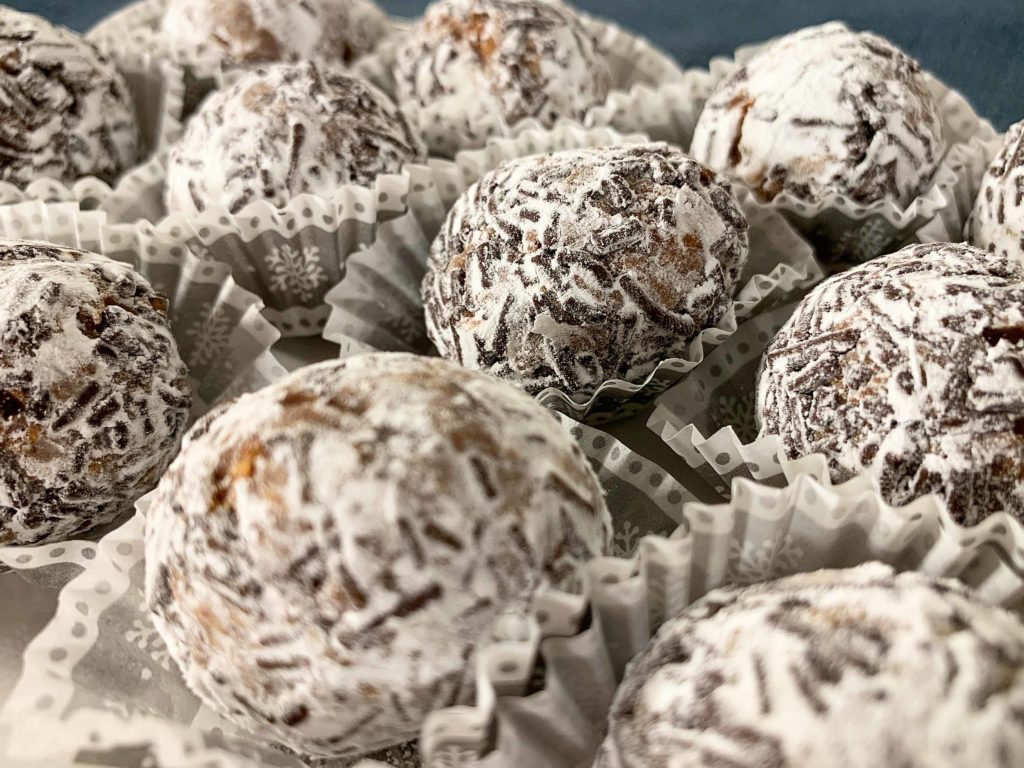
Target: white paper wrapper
{"x":844,"y":232}
{"x":222,"y":337}
{"x":639,"y":71}
{"x":98,"y":679}
{"x":545,"y":689}
{"x":378,"y":303}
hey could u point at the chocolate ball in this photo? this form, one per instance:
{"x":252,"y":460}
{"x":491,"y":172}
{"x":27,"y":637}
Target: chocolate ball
{"x":909,"y":368}
{"x":94,"y":397}
{"x":324,"y":554}
{"x":488,"y":64}
{"x":825,"y":112}
{"x":835,"y":669}
{"x":997,"y":223}
{"x":246,"y":32}
{"x":570,"y":269}
{"x":286,"y":130}
{"x":66,"y":112}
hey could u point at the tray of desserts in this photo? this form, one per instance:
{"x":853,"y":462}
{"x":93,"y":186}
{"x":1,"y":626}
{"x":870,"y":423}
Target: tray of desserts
{"x":486,"y":389}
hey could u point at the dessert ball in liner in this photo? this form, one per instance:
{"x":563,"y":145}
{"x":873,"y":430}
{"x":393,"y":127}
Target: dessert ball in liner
{"x":856,"y":667}
{"x":101,"y":669}
{"x":113,"y":345}
{"x":909,"y":368}
{"x":282,"y":131}
{"x":95,"y":397}
{"x":579,"y":243}
{"x":997,"y":223}
{"x":248,"y":32}
{"x":862,"y":149}
{"x":323,"y":555}
{"x":647,"y":91}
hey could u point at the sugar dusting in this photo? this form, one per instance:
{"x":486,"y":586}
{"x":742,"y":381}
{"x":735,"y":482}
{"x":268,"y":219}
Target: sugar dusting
{"x":997,"y":223}
{"x":325,"y":553}
{"x":910,"y":368}
{"x":856,"y":668}
{"x":570,"y":269}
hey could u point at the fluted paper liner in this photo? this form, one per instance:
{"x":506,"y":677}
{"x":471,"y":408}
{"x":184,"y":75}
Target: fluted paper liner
{"x":378,"y":305}
{"x":844,"y":232}
{"x":98,"y":678}
{"x":222,"y":337}
{"x":638,"y":69}
{"x":764,"y":533}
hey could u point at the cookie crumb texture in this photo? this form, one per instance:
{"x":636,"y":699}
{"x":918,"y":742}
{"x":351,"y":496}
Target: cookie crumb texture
{"x":286,"y":130}
{"x":94,"y":398}
{"x":825,"y":112}
{"x":909,"y":368}
{"x":497,"y":62}
{"x":997,"y":224}
{"x":324,"y":554}
{"x":66,"y":112}
{"x":570,"y":269}
{"x":246,"y":32}
{"x":835,"y":669}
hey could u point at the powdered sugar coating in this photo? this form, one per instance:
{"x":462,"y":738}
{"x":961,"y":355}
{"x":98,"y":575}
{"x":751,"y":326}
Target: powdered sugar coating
{"x":910,"y":368}
{"x":244,"y":32}
{"x":570,"y":269}
{"x":835,"y":669}
{"x":94,"y":397}
{"x":324,"y":554}
{"x":492,"y":63}
{"x":65,"y":111}
{"x":997,"y":223}
{"x":822,"y":112}
{"x":286,"y":130}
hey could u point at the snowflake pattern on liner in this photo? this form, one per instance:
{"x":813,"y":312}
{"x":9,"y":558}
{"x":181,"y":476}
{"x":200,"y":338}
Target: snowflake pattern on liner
{"x":143,"y":635}
{"x":625,"y":541}
{"x":296,"y":272}
{"x":209,"y":336}
{"x":752,"y":563}
{"x":736,"y":411}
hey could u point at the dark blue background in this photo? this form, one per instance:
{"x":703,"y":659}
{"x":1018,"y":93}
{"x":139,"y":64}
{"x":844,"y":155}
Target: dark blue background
{"x":977,"y":46}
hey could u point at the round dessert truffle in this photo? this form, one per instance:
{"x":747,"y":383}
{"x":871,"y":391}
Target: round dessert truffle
{"x":245,"y":32}
{"x":825,"y":112}
{"x":490,"y":63}
{"x":324,"y":554}
{"x":997,"y":223}
{"x":94,"y":398}
{"x":834,"y":669}
{"x":909,"y":368}
{"x":570,"y":269}
{"x":283,"y":131}
{"x":66,"y":112}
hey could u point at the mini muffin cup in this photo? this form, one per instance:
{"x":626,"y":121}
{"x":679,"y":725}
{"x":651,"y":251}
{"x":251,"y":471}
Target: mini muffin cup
{"x":546,"y":685}
{"x":222,"y":337}
{"x":639,"y":70}
{"x":844,"y":232}
{"x":378,"y":304}
{"x":100,"y":681}
{"x":708,"y":420}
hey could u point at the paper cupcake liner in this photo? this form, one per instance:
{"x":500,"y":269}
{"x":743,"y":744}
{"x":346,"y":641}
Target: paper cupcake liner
{"x":579,"y":647}
{"x":844,"y":232}
{"x":99,"y":677}
{"x":378,"y":305}
{"x":221,"y":335}
{"x":709,"y":422}
{"x":639,"y":70}
{"x":288,"y":256}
